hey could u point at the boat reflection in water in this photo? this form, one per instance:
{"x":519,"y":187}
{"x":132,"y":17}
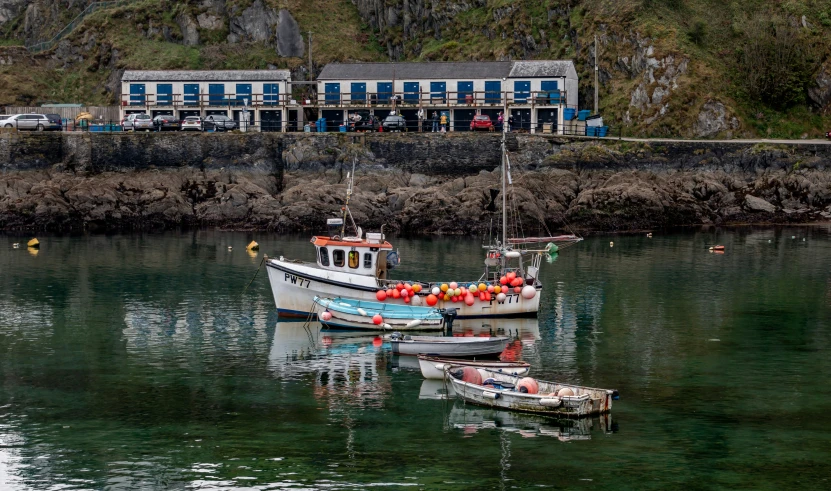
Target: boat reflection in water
{"x":436,"y":389}
{"x":471,"y":419}
{"x":349,"y":367}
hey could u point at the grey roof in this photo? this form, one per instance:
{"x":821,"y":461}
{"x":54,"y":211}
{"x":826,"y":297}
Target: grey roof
{"x":535,"y":69}
{"x":444,"y":70}
{"x":205,"y":75}
{"x":416,"y":71}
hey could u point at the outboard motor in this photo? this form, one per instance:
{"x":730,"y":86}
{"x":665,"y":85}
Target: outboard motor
{"x":449,"y":316}
{"x":396,"y":336}
{"x":393,"y":259}
{"x":457,"y":373}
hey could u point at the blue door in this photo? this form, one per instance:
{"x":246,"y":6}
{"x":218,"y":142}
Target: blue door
{"x":384,"y":92}
{"x":136,"y":94}
{"x":552,"y":89}
{"x":191,"y":94}
{"x":164,"y":94}
{"x":465,"y":89}
{"x":243,"y":94}
{"x":438,"y":92}
{"x":216,"y":94}
{"x":493,"y":92}
{"x":332,"y":93}
{"x":411,"y":90}
{"x":358,"y":92}
{"x":522,"y":91}
{"x":271,"y":94}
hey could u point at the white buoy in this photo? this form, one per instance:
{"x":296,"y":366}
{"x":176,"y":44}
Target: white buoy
{"x":362,"y":312}
{"x":500,"y":297}
{"x":528,"y":292}
{"x":16,"y":246}
{"x":230,"y":248}
{"x":611,"y":244}
{"x":413,"y":323}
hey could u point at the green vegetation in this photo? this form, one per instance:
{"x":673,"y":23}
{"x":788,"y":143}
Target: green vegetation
{"x":757,"y":57}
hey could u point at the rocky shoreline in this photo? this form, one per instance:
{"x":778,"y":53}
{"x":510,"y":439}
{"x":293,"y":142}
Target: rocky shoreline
{"x":413,"y":184}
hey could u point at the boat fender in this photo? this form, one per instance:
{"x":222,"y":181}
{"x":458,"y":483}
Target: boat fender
{"x":551,"y":401}
{"x":490,"y":395}
{"x":413,"y":323}
{"x":512,"y":254}
{"x":362,"y":312}
{"x":386,"y":326}
{"x":440,"y":366}
{"x":615,"y":395}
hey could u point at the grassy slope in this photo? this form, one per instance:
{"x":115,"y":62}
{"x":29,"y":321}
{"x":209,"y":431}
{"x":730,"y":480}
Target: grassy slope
{"x":339,"y":34}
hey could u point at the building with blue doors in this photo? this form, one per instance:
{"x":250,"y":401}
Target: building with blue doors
{"x":535,"y":93}
{"x":261,"y":96}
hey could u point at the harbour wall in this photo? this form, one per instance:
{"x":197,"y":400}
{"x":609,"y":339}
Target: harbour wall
{"x":413,"y":183}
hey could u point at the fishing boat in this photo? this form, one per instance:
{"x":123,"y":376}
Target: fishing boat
{"x":344,"y":313}
{"x":433,"y":367}
{"x":448,"y":346}
{"x":352,"y":264}
{"x":525,"y":394}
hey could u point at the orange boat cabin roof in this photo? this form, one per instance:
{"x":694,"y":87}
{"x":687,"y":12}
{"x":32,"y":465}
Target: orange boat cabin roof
{"x":323,"y":241}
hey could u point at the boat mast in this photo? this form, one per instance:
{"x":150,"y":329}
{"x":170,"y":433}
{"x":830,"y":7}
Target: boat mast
{"x":504,"y":196}
{"x":351,"y":179}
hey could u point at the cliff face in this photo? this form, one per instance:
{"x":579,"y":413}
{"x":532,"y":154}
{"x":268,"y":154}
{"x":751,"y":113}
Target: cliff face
{"x":413,"y":183}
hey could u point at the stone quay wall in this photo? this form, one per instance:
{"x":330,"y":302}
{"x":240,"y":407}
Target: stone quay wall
{"x":413,"y":183}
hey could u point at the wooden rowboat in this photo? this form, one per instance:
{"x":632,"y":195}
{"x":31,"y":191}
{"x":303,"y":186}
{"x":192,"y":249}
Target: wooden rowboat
{"x":433,"y":367}
{"x":499,"y":390}
{"x":448,"y":346}
{"x":346,"y":313}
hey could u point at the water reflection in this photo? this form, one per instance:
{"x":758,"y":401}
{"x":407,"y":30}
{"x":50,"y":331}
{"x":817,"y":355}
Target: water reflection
{"x":472,"y":419}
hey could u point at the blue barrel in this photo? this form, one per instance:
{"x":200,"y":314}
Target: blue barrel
{"x":583,"y":114}
{"x":591,"y":130}
{"x":554,"y":97}
{"x":342,"y":128}
{"x":602,"y":131}
{"x":568,"y":113}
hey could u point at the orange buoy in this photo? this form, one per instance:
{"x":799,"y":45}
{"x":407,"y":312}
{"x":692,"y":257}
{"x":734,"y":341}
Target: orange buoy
{"x":528,"y":385}
{"x":381,"y":295}
{"x":431,"y":300}
{"x":471,"y":375}
{"x":564,"y":392}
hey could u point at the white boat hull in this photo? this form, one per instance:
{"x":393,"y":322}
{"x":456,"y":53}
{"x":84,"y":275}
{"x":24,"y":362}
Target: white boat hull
{"x":458,"y":347}
{"x":433,"y":369}
{"x":295,"y":285}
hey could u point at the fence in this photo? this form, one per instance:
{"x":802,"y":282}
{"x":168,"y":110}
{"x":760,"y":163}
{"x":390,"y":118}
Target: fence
{"x":46,"y":45}
{"x":103,"y":113}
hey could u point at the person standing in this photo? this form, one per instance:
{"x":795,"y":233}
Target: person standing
{"x":443,"y":122}
{"x":501,"y":120}
{"x":435,"y":120}
{"x":510,"y":123}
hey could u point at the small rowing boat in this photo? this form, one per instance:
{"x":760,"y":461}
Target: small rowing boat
{"x":344,"y":313}
{"x":448,"y":346}
{"x":525,"y":394}
{"x":433,"y":367}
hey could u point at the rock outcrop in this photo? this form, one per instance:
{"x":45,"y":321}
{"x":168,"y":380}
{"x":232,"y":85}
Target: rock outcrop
{"x":419,"y":184}
{"x":289,"y":40}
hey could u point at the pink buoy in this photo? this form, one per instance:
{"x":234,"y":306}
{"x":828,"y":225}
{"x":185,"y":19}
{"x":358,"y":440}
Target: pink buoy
{"x":377,"y":319}
{"x":490,"y":288}
{"x":471,"y":375}
{"x":517,"y":289}
{"x":528,"y":292}
{"x":469,"y":300}
{"x":453,"y":285}
{"x":325,"y":315}
{"x":528,"y":385}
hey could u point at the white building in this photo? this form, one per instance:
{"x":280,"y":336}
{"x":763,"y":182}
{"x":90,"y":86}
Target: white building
{"x":534,"y":92}
{"x":263,"y":93}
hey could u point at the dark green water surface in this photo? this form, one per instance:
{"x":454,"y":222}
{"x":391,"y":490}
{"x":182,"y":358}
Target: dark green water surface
{"x":134,"y":362}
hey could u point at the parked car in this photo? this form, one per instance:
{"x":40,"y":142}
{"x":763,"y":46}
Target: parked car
{"x":218,"y":122}
{"x":165,"y":122}
{"x":192,"y":123}
{"x":394,"y":122}
{"x":55,"y":122}
{"x":363,"y":121}
{"x":481,"y":122}
{"x":37,"y":122}
{"x":828,"y":135}
{"x":137,"y":122}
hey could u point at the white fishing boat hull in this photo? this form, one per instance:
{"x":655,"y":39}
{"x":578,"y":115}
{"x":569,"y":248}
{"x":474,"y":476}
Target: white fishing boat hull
{"x":295,"y":285}
{"x":454,"y":347}
{"x":433,"y":368}
{"x":586,"y":401}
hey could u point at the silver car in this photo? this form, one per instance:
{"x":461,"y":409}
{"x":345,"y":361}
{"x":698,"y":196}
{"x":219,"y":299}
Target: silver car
{"x":36,"y":122}
{"x":137,"y":122}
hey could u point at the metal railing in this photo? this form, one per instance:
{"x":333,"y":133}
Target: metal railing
{"x":47,"y":45}
{"x":519,"y":125}
{"x":195,"y":101}
{"x":471,"y":98}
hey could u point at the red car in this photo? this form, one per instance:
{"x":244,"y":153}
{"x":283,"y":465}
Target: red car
{"x":828,"y":135}
{"x":481,"y":122}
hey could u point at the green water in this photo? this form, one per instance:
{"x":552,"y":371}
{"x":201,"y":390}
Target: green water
{"x":134,"y":362}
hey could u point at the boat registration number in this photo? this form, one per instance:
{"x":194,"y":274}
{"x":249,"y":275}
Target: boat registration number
{"x":297,"y":280}
{"x":513,"y":298}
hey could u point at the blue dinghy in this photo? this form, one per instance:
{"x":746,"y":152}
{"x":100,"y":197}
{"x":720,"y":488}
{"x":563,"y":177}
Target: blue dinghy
{"x":347,"y":313}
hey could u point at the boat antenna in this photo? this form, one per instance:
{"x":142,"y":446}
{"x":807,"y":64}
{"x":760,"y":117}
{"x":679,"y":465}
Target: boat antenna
{"x":350,"y":177}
